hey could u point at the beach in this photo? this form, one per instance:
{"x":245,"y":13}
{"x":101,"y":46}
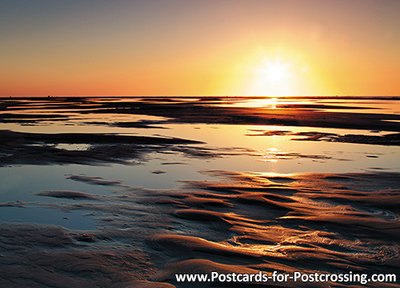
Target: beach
{"x":130,"y":192}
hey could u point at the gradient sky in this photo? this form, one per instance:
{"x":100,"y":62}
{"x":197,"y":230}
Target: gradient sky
{"x":207,"y":47}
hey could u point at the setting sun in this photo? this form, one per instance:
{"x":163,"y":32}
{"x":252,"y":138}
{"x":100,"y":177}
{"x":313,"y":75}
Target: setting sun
{"x":275,"y":71}
{"x":272,"y":78}
{"x":211,"y":48}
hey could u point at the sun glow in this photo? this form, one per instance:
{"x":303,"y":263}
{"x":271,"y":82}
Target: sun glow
{"x":272,"y":78}
{"x":274,"y":71}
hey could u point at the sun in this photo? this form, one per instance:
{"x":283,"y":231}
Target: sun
{"x":274,"y":71}
{"x":271,"y":78}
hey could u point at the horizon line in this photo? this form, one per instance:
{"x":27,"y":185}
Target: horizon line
{"x":202,"y":96}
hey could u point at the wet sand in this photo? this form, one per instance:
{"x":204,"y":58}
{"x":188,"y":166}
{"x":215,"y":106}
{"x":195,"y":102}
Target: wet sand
{"x":231,"y":221}
{"x":243,"y":222}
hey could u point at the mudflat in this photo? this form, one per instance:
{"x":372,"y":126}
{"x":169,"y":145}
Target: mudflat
{"x":129,"y":192}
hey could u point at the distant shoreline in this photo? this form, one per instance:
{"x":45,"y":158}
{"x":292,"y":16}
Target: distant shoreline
{"x":208,"y":97}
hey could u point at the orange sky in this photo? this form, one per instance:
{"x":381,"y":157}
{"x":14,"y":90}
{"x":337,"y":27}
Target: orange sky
{"x":230,"y":47}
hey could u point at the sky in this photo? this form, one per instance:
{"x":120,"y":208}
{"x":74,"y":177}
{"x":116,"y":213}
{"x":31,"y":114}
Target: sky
{"x":205,"y":47}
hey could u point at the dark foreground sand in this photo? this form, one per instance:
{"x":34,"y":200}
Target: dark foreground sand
{"x":243,"y":223}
